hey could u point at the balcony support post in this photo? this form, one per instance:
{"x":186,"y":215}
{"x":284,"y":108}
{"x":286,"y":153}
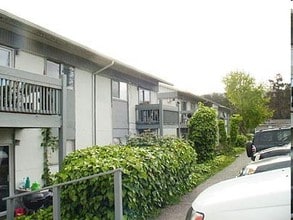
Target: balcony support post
{"x":161,"y":117}
{"x":62,"y":129}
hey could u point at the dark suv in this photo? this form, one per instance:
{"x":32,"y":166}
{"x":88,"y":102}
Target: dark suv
{"x":264,"y":139}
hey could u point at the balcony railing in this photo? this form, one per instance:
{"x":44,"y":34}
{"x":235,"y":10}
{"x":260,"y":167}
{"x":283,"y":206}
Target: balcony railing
{"x":148,"y":116}
{"x":24,"y":92}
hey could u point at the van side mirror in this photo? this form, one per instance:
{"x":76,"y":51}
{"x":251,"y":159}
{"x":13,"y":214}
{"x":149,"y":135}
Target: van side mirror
{"x":249,"y":149}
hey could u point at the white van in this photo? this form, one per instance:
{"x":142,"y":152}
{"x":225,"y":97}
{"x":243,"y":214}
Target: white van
{"x":262,"y":196}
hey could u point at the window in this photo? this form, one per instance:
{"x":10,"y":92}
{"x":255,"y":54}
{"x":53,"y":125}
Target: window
{"x":54,"y":70}
{"x":144,"y":95}
{"x":184,"y":106}
{"x":6,"y":57}
{"x":119,"y":90}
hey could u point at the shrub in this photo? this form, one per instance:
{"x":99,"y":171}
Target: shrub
{"x":152,"y":177}
{"x":234,"y":127}
{"x":203,"y":132}
{"x":224,"y":147}
{"x":241,"y":141}
{"x":222,"y":132}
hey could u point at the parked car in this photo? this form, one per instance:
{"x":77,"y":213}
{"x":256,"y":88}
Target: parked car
{"x":264,"y":139}
{"x":255,"y":197}
{"x":272,"y":152}
{"x":266,"y":164}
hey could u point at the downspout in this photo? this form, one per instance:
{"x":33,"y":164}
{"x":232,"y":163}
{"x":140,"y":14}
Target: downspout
{"x":94,"y":103}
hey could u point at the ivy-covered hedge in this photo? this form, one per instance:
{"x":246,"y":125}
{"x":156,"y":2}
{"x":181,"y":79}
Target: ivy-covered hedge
{"x":152,"y":177}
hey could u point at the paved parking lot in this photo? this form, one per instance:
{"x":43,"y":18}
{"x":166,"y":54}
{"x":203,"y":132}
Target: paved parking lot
{"x":178,"y":211}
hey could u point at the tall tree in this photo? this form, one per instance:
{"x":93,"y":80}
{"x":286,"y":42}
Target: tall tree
{"x":279,"y":94}
{"x":248,"y":100}
{"x":219,"y":98}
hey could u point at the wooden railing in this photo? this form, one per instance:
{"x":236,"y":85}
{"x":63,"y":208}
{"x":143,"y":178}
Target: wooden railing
{"x":24,"y":92}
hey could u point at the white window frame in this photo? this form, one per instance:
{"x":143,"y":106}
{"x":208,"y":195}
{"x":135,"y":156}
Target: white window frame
{"x":11,"y":55}
{"x":119,"y":95}
{"x":70,"y":79}
{"x":142,"y":99}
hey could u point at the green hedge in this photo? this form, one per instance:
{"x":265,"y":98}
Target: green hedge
{"x":152,"y":178}
{"x":200,"y":173}
{"x":203,"y":132}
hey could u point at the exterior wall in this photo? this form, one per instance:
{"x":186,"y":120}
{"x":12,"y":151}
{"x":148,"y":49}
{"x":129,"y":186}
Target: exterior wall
{"x":29,"y":62}
{"x":163,"y":88}
{"x":104,"y":112}
{"x":30,"y":139}
{"x":188,"y":106}
{"x":170,"y":132}
{"x":28,"y":155}
{"x":83,"y":104}
{"x":154,"y":98}
{"x":133,"y":101}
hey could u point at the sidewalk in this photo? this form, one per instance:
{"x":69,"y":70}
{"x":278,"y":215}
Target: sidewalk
{"x":178,"y":211}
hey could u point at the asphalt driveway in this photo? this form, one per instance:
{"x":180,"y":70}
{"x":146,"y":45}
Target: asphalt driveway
{"x":178,"y":211}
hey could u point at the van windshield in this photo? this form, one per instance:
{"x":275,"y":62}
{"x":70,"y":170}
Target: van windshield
{"x":272,"y":138}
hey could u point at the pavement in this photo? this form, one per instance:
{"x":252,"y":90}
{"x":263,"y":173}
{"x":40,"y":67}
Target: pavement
{"x":178,"y":211}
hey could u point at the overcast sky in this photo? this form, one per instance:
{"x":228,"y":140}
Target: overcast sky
{"x":190,"y":43}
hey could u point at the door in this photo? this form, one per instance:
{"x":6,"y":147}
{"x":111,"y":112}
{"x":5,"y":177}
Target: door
{"x":4,"y":176}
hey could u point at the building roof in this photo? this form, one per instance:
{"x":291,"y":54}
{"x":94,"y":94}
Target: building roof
{"x":188,"y":96}
{"x":30,"y":30}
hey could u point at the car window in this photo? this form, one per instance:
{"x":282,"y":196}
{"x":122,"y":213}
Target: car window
{"x":274,"y":137}
{"x":274,"y":153}
{"x":273,"y":166}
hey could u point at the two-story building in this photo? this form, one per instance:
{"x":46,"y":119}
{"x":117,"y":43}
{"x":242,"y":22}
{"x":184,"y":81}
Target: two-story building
{"x":48,"y":81}
{"x":170,"y":115}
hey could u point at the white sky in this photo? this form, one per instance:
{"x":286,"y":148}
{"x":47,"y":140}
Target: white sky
{"x":190,"y":43}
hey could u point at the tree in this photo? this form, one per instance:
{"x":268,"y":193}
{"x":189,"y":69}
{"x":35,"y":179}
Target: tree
{"x":219,"y":98}
{"x":203,"y":132}
{"x":279,"y":94}
{"x":248,"y":100}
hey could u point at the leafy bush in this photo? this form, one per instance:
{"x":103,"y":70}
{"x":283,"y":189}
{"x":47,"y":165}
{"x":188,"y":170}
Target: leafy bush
{"x":224,"y":146}
{"x":199,"y":174}
{"x":203,"y":132}
{"x":222,"y":133}
{"x":41,"y":214}
{"x":234,"y":127}
{"x":148,"y":138}
{"x":152,"y":177}
{"x":241,"y":141}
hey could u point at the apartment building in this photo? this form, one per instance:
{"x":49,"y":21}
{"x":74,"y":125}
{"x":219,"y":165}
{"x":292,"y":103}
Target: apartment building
{"x":170,"y":115}
{"x":48,"y":81}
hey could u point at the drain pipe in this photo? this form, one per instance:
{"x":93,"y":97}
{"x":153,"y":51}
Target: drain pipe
{"x":94,"y":104}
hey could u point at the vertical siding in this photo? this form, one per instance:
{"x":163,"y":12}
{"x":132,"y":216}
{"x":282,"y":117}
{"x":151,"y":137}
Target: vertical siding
{"x":30,"y":139}
{"x":83,"y":105}
{"x":120,"y":119}
{"x":28,"y":155}
{"x":104,"y":111}
{"x":154,"y":98}
{"x":133,"y":101}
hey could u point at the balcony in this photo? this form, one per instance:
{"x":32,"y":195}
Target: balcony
{"x":148,"y":116}
{"x":29,"y":100}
